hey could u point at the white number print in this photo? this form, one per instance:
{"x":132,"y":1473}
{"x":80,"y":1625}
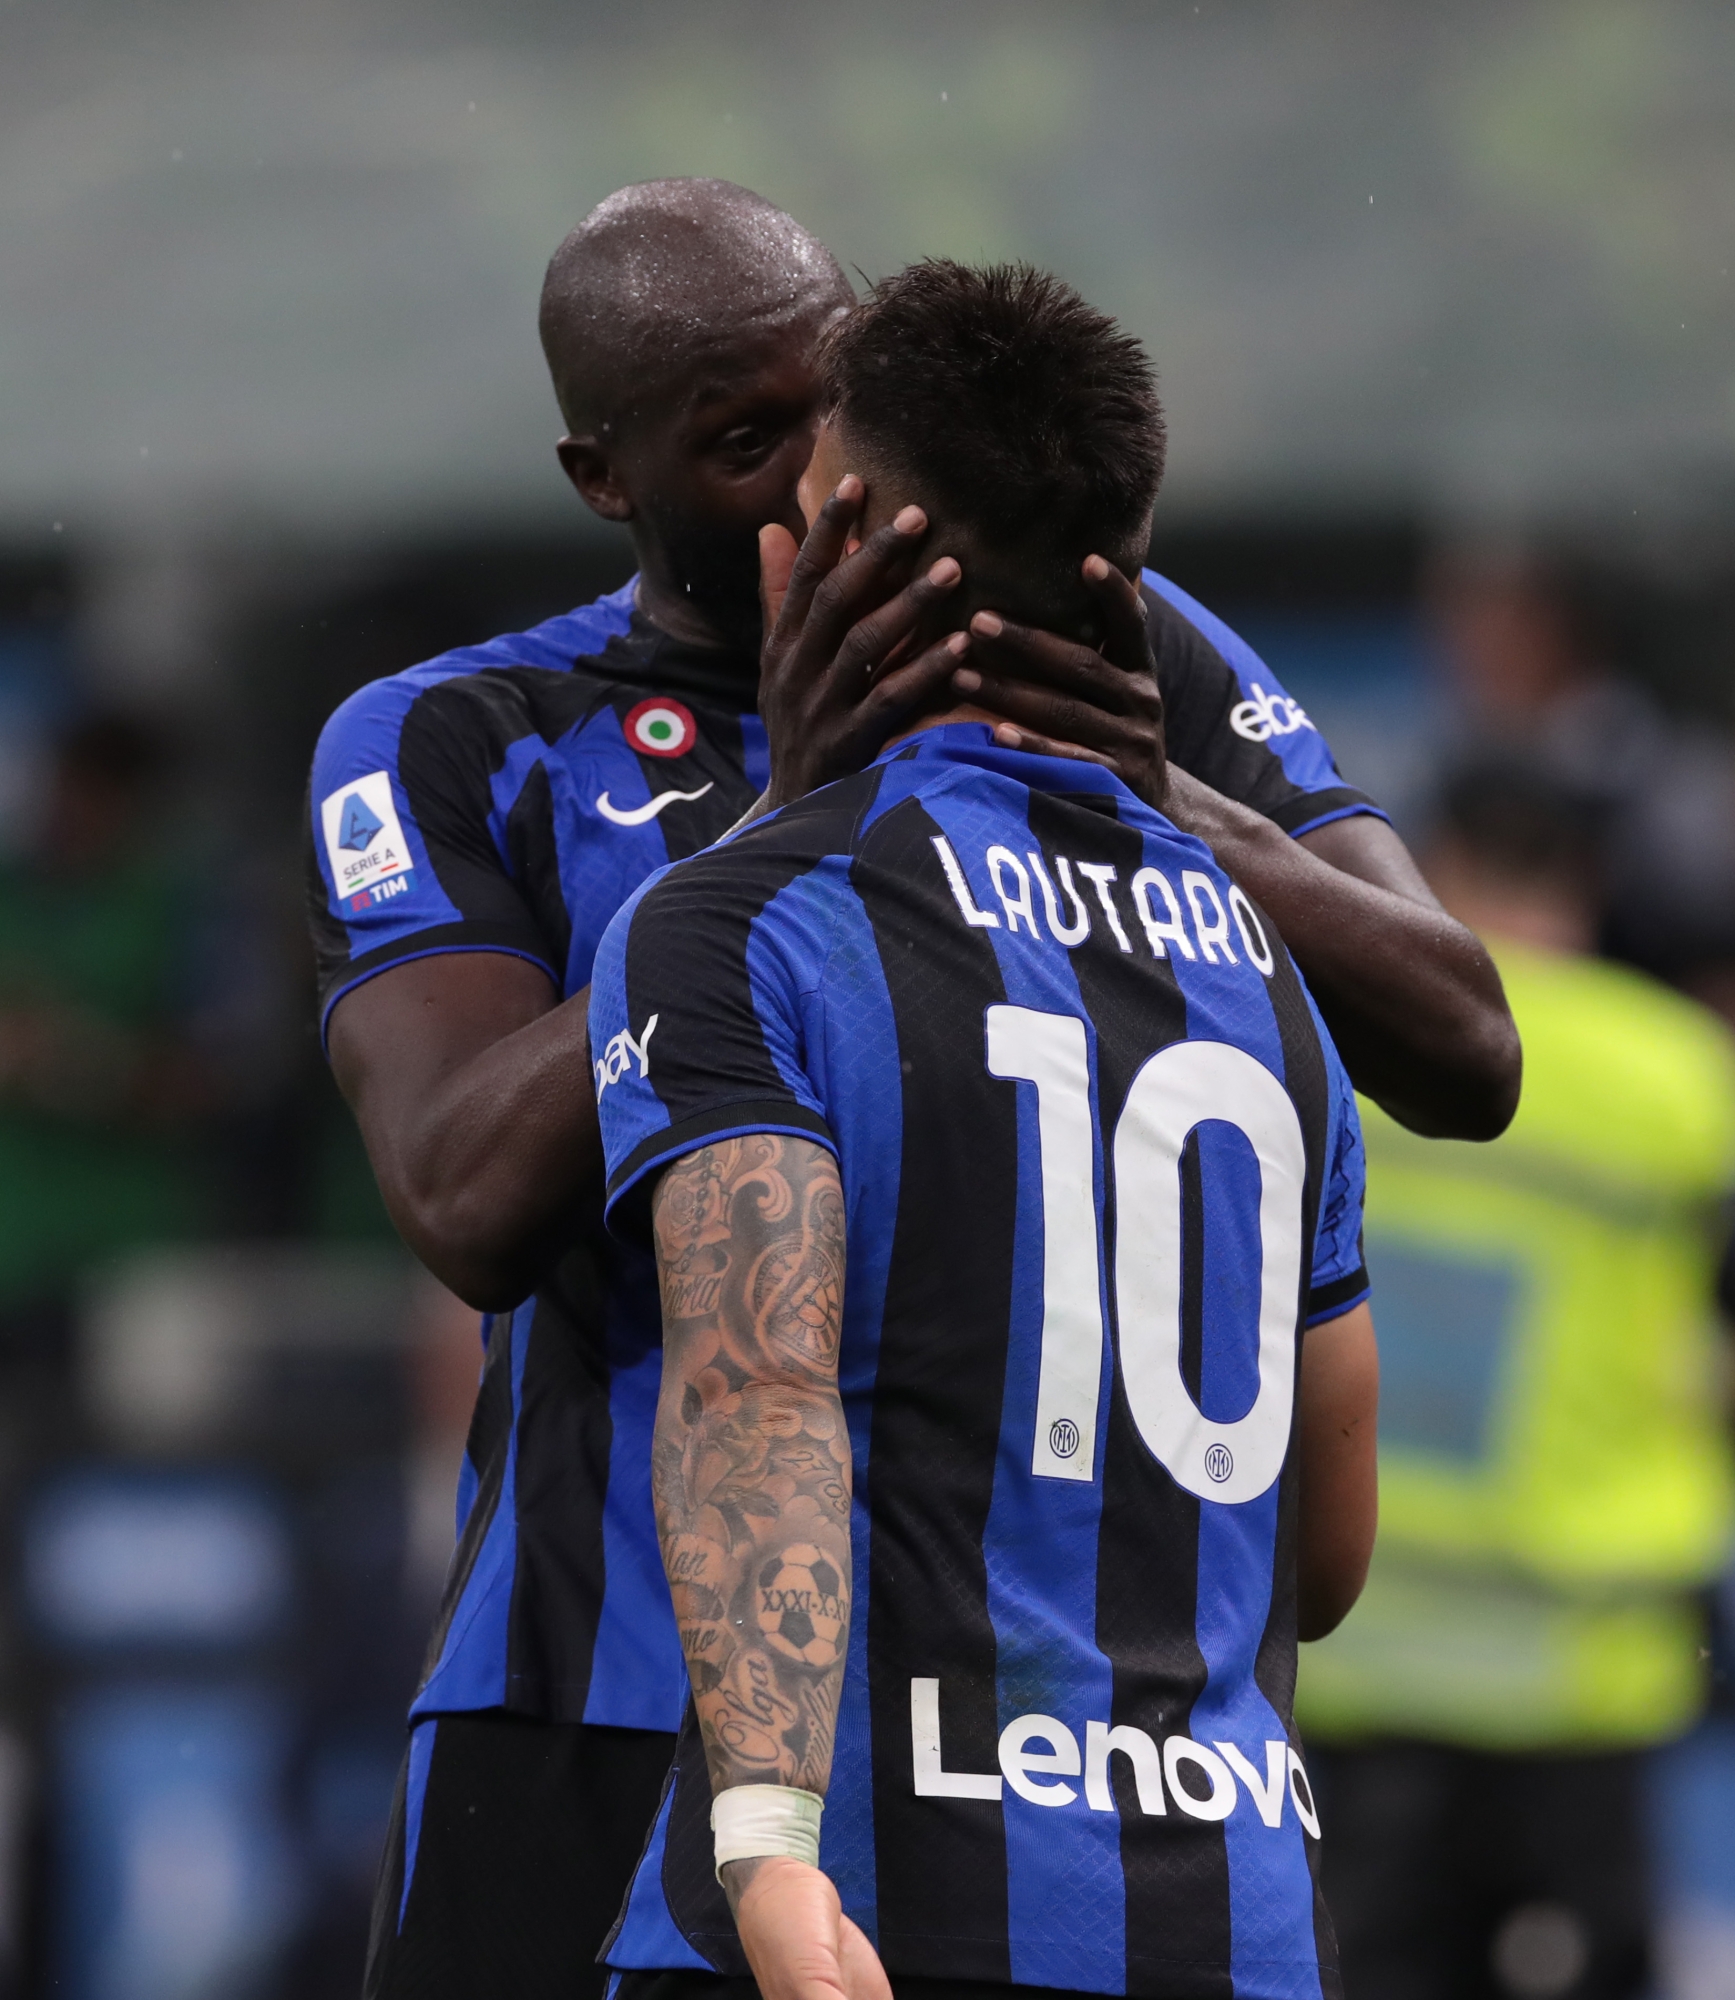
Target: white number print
{"x":1049,"y":1051}
{"x":1177,"y":1089}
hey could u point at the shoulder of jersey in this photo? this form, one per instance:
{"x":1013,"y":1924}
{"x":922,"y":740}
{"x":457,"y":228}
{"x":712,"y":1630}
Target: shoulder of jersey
{"x":557,"y":645}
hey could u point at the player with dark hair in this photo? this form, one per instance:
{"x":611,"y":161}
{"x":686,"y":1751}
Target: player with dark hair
{"x":1018,"y":1391}
{"x":478,"y":819}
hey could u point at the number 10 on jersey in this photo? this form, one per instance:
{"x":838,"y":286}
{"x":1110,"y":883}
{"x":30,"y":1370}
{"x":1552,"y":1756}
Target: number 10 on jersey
{"x":1179,"y":1088}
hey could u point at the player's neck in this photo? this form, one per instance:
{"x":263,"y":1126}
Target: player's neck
{"x":672,"y":608}
{"x":966,"y":711}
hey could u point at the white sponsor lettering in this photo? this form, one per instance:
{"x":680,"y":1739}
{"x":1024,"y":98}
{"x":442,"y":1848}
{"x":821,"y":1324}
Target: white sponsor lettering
{"x":1267,"y":715}
{"x":621,"y":1050}
{"x":1019,"y":1764}
{"x":1180,"y":1752}
{"x":1038,"y":1753}
{"x":637,"y":815}
{"x":933,"y":1781}
{"x":1139,"y":1751}
{"x":364,"y":840}
{"x":1266,"y":1793}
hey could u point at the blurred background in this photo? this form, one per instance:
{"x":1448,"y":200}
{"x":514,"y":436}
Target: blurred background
{"x":1441,"y":299}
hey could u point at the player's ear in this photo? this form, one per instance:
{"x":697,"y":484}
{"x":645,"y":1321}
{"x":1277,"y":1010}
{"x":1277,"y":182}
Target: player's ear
{"x":594,"y":475}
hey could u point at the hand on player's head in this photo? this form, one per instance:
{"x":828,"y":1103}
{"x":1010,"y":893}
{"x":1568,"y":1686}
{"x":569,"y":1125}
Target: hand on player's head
{"x":1062,"y":698}
{"x":839,"y":672}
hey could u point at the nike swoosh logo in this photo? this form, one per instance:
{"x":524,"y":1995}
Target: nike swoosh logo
{"x":637,"y":815}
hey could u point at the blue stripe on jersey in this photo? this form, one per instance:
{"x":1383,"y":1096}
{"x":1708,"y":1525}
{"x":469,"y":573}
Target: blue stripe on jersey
{"x":1066,"y":1900}
{"x":1273,"y":1950}
{"x":638,"y":1675}
{"x":647,"y":1937}
{"x":1272,"y":1947}
{"x":867,"y":1124}
{"x":362,"y":737}
{"x":469,"y":1480}
{"x":471,"y":1669}
{"x":1304,"y":753}
{"x":600,"y":862}
{"x":416,"y":1768}
{"x":755,"y":751}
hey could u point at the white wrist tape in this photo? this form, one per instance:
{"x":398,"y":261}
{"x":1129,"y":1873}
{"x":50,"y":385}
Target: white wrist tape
{"x":751,"y":1820}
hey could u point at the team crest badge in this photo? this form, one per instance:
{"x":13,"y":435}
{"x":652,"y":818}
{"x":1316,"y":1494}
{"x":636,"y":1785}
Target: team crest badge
{"x":661,"y":728}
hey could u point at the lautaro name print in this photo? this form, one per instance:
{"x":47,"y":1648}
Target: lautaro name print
{"x":1071,"y":913}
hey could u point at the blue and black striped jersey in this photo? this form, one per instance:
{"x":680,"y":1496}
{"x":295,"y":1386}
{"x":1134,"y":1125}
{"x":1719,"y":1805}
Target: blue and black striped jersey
{"x":509,"y":797}
{"x":1102,"y":1167}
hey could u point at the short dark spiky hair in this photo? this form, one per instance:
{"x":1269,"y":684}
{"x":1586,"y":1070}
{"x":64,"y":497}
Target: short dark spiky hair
{"x":1014,"y":411}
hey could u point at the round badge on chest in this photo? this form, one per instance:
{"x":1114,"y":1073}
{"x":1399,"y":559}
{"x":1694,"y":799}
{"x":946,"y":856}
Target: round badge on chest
{"x":660,"y":728}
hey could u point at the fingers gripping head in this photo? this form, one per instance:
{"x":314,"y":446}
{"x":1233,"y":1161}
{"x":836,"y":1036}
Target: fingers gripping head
{"x":666,"y":279}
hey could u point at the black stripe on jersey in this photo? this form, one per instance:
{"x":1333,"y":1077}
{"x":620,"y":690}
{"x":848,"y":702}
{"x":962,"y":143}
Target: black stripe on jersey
{"x":690,"y":1885}
{"x":517,"y":940}
{"x":1307,"y":1079}
{"x":1307,"y":807}
{"x":706,"y":912}
{"x":534,"y":852}
{"x":940,"y":1863}
{"x":1200,"y":692}
{"x":486,"y":1448}
{"x":1323,"y":1298}
{"x":561,"y":1478}
{"x":1176,"y":1868}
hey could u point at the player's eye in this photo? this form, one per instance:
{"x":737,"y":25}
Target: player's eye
{"x":747,"y":441}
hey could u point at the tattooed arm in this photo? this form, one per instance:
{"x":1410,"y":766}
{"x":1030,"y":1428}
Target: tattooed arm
{"x":751,"y":1471}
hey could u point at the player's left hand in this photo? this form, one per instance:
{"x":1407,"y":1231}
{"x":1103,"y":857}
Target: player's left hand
{"x":797,"y":1939}
{"x":1061,"y":699}
{"x":836,"y":672}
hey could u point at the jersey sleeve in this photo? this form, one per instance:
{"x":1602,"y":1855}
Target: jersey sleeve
{"x":401,"y":855}
{"x":1339,"y":1278}
{"x":1231,"y":725}
{"x":703,"y":1000}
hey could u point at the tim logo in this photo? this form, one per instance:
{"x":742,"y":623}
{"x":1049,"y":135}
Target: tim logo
{"x":1267,"y":715}
{"x":621,"y":1050}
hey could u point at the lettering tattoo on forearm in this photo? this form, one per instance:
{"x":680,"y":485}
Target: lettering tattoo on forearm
{"x":751,"y":1464}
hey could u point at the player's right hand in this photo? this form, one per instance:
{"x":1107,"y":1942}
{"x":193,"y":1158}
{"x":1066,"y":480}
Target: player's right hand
{"x":836,"y":675}
{"x":797,"y":1939}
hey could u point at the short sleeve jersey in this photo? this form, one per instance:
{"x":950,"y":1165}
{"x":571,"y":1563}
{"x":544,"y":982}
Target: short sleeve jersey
{"x":509,"y":797}
{"x":1102,"y":1167}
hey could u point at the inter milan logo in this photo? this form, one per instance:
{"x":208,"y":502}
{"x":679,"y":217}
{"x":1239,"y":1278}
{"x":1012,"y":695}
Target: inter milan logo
{"x":802,"y":1606}
{"x":660,"y":728}
{"x":356,"y":825}
{"x":1063,"y":1437}
{"x":1219,"y":1462}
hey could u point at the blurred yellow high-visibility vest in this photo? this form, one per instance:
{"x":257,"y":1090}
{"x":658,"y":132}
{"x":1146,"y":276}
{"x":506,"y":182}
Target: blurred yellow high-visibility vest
{"x":1555,"y":1477}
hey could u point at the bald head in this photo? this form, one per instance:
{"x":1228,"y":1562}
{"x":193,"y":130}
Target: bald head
{"x":665,"y":278}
